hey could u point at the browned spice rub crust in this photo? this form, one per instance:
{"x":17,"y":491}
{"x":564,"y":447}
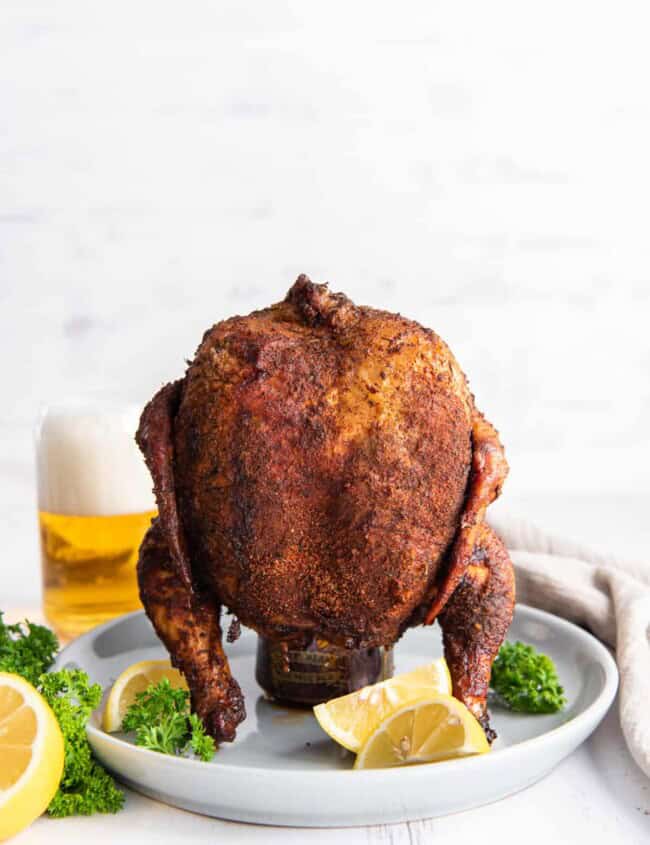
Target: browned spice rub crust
{"x":320,"y":469}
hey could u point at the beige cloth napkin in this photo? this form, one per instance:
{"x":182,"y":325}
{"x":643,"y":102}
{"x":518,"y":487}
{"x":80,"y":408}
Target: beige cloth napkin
{"x":607,"y":595}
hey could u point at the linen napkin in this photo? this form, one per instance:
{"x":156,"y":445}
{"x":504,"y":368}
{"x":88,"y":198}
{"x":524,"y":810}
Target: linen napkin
{"x":607,"y":595}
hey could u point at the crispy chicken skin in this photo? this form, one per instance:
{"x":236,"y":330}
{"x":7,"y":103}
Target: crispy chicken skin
{"x":475,"y":620}
{"x":188,"y":624}
{"x":321,"y":469}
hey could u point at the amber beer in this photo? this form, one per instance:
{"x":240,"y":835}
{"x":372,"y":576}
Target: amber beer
{"x":95,"y":505}
{"x":89,"y":567}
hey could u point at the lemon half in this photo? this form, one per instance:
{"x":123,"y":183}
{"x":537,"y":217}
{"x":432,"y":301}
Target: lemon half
{"x":31,"y":754}
{"x":436,"y":728}
{"x":352,"y":718}
{"x":133,"y":680}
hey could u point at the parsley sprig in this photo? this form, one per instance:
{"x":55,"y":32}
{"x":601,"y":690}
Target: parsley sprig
{"x":85,"y":787}
{"x":28,"y":649}
{"x":161,"y":719}
{"x":526,"y":680}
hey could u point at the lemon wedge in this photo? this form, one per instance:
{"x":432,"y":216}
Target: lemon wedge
{"x":133,"y":680}
{"x":31,"y":751}
{"x":435,"y":728}
{"x":350,"y":719}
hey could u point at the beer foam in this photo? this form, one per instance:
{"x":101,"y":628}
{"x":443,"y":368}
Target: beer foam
{"x":89,"y":464}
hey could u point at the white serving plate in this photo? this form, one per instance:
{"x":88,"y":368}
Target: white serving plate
{"x":283,"y":770}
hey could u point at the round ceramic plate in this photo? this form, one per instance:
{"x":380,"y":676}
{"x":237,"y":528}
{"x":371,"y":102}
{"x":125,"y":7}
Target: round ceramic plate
{"x":283,"y":770}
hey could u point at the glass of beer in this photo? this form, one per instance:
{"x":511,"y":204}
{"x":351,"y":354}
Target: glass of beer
{"x":95,"y":504}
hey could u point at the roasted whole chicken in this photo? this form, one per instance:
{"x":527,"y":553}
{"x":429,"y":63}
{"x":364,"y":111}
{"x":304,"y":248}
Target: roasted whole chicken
{"x":322,"y":470}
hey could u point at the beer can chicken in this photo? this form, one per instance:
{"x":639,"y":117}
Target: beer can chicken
{"x":322,"y":470}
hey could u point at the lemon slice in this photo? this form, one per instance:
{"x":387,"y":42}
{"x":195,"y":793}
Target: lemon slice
{"x":31,"y":754}
{"x":351,"y":718}
{"x":435,"y":728}
{"x":133,"y":680}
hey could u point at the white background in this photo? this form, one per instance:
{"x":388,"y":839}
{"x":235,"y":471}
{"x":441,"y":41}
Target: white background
{"x":482,"y":167}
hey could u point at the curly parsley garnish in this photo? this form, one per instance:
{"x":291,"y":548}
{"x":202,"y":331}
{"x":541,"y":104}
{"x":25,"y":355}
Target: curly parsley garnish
{"x":26,"y":649}
{"x":85,"y":787}
{"x":161,"y":719}
{"x":526,"y":680}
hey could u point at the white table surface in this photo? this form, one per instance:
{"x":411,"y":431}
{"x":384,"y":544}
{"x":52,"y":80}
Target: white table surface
{"x":596,"y":795}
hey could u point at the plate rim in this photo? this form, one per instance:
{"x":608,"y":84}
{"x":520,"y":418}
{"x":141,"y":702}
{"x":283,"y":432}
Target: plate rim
{"x":594,"y":712}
